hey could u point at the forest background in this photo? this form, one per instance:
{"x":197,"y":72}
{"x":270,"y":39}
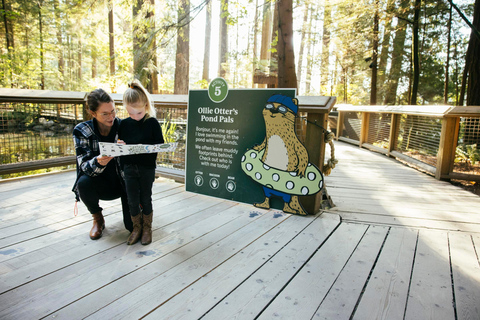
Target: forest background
{"x":362,"y":51}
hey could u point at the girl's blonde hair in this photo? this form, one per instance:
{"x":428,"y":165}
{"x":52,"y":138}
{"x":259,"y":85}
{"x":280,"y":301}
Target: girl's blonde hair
{"x":137,"y":93}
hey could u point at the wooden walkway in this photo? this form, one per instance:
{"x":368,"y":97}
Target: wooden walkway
{"x":398,"y":245}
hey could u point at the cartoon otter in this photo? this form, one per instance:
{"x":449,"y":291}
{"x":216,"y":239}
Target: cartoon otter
{"x":280,"y":163}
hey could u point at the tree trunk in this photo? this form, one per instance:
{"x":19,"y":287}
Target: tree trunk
{"x":447,"y":64}
{"x":222,"y":56}
{"x":324,"y":64}
{"x":302,"y":45}
{"x":373,"y":65}
{"x":208,"y":36}
{"x":60,"y":48}
{"x":255,"y":45}
{"x":473,"y":90}
{"x":397,"y":62}
{"x":79,"y":57}
{"x":386,"y":51}
{"x":40,"y":30}
{"x":8,"y":26}
{"x":286,"y":58}
{"x":416,"y":58}
{"x":311,"y":48}
{"x":182,"y":62}
{"x":274,"y":41}
{"x":111,"y":38}
{"x":152,"y":49}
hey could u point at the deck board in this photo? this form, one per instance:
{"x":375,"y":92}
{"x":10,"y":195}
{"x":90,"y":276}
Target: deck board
{"x":397,"y":245}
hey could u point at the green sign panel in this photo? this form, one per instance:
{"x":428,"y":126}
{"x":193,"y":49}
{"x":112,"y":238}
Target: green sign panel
{"x":223,"y":125}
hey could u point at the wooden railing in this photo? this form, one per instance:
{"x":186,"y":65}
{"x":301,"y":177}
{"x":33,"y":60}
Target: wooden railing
{"x":60,"y":106}
{"x":441,"y":140}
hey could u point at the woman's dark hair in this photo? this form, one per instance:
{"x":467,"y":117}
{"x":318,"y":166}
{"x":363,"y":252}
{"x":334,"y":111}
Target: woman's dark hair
{"x":97,"y":97}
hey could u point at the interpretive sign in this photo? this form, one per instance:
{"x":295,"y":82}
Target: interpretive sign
{"x":242,"y":146}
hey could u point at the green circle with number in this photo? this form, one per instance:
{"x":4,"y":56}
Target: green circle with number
{"x":218,"y":90}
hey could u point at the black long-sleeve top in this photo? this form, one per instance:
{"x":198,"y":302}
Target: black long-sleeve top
{"x":145,"y":131}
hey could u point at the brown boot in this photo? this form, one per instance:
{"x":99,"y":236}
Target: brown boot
{"x":137,"y":229}
{"x":147,"y":228}
{"x":98,"y":226}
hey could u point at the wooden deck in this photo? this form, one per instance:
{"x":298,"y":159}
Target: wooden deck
{"x":398,"y":245}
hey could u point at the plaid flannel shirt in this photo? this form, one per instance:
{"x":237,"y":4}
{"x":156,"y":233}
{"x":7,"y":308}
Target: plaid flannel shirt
{"x":87,"y":150}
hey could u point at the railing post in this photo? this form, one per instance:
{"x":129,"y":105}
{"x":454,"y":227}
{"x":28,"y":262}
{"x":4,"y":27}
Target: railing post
{"x":394,"y":127}
{"x":315,"y":144}
{"x":340,"y":120}
{"x":365,"y":127}
{"x":448,"y":145}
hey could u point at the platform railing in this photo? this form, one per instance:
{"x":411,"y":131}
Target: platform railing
{"x":36,"y":129}
{"x":441,"y":140}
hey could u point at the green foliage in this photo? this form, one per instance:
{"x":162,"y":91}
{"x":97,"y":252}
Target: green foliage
{"x":467,"y":153}
{"x":169,"y":129}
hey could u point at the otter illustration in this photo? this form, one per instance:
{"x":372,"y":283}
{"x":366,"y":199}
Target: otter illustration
{"x":280,"y":163}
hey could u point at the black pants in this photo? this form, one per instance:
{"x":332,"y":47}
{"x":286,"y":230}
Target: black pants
{"x":139,"y":181}
{"x":93,"y":189}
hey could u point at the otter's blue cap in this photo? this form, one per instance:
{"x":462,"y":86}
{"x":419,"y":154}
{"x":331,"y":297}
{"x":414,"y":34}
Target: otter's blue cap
{"x":286,"y":101}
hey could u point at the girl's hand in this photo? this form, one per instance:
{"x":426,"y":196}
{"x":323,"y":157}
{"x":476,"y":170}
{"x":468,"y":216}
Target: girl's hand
{"x":103,"y":160}
{"x":120,"y":141}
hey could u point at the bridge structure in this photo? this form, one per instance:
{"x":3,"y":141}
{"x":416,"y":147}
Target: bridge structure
{"x":397,"y":244}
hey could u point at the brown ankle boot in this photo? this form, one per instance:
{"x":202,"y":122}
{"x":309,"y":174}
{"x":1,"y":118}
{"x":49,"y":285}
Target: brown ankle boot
{"x":98,"y":226}
{"x":137,"y":229}
{"x":147,"y":228}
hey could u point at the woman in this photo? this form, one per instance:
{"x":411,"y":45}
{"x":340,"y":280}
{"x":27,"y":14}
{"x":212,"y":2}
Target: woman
{"x":99,"y":177}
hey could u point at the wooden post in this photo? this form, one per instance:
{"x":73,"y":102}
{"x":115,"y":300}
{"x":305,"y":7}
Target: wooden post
{"x":394,"y":127}
{"x":340,"y":120}
{"x":315,"y":144}
{"x":448,"y":145}
{"x":365,"y":127}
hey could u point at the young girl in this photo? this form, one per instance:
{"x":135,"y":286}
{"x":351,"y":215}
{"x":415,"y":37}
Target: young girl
{"x":140,"y":128}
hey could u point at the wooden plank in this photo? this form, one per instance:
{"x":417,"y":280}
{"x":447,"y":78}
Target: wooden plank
{"x":466,"y":275}
{"x":377,"y":219}
{"x":430,"y":295}
{"x":426,"y":110}
{"x":128,"y":264}
{"x":207,"y":291}
{"x":145,"y":283}
{"x":22,"y":244}
{"x":302,"y":296}
{"x":462,"y":111}
{"x":342,"y":297}
{"x":385,"y":296}
{"x":254,"y":276}
{"x":81,"y":247}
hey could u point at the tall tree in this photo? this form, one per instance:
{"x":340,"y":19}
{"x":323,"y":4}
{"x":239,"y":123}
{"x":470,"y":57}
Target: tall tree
{"x":447,"y":64}
{"x":144,"y":44}
{"x":208,"y":36}
{"x":60,"y":48}
{"x":42,"y":63}
{"x":287,"y":77}
{"x":374,"y":64}
{"x":473,"y":66}
{"x":415,"y":53}
{"x":302,"y":44}
{"x":223,"y":50}
{"x":182,"y":62}
{"x":111,"y":38}
{"x":324,"y":61}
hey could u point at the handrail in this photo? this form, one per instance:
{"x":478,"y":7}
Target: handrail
{"x":440,"y":122}
{"x":316,"y":109}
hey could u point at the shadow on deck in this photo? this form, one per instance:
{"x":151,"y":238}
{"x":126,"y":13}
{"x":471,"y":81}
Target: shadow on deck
{"x":398,"y":245}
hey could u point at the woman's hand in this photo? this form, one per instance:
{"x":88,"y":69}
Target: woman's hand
{"x":120,"y":141}
{"x":103,"y":160}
